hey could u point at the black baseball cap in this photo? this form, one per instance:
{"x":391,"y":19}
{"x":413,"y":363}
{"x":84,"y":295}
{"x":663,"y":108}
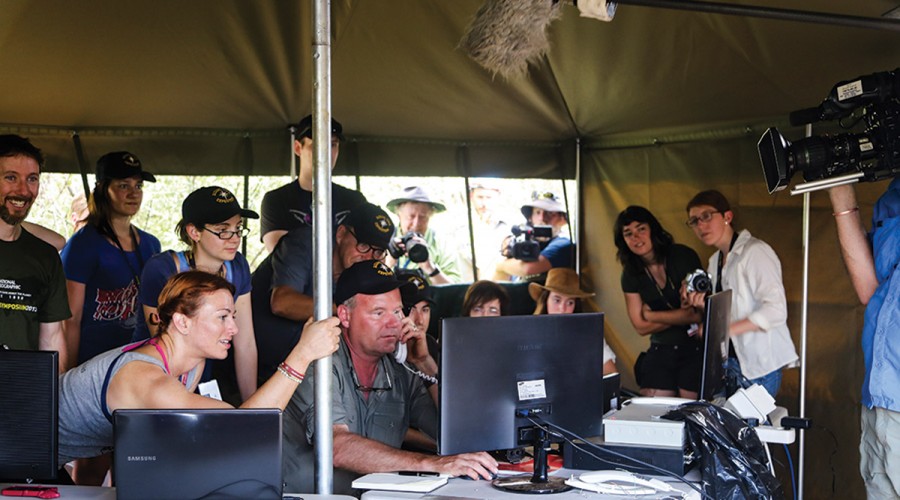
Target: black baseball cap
{"x":121,"y":165}
{"x":305,"y":128}
{"x":368,"y":277}
{"x":371,"y":225}
{"x":418,"y":292}
{"x":211,"y":205}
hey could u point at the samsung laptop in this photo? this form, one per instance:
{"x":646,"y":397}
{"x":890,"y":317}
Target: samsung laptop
{"x":208,"y":454}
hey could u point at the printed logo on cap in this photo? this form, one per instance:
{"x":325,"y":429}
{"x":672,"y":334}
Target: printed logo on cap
{"x":131,"y":160}
{"x":223,"y":195}
{"x":382,"y":269}
{"x":382,"y":224}
{"x":419,"y":282}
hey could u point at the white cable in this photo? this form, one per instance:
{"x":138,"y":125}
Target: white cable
{"x":427,"y":378}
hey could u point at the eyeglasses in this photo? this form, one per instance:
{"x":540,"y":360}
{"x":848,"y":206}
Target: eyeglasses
{"x":363,"y":388}
{"x":377,"y":253}
{"x":227,"y":235}
{"x":704,"y":217}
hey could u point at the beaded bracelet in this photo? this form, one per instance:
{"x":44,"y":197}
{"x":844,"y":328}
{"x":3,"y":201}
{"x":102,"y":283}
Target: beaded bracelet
{"x":288,"y":375}
{"x":845,"y":212}
{"x":290,"y":370}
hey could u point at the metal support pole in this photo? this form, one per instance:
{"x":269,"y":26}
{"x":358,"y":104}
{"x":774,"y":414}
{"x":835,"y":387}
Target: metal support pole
{"x":579,"y":197}
{"x":771,"y":13}
{"x":322,"y":220}
{"x":803,"y":334}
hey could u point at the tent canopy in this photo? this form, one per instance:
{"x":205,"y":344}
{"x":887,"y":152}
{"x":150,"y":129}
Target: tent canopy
{"x":210,"y":86}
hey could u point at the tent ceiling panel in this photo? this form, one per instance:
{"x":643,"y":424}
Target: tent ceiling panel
{"x":133,"y":67}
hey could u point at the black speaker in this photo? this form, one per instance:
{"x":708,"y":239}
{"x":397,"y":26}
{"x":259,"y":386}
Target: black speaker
{"x":29,"y":419}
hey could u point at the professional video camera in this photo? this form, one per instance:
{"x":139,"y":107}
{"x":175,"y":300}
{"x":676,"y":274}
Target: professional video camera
{"x":417,"y":251}
{"x":527,"y":242}
{"x":869,"y":156}
{"x":698,"y":281}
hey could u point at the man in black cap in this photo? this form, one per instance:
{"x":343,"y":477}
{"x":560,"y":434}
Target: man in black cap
{"x":290,"y":205}
{"x":375,"y":398}
{"x":438,"y":263}
{"x":33,"y":299}
{"x":282,"y":295}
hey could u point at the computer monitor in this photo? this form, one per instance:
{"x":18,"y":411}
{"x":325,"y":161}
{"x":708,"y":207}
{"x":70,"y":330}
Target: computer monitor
{"x":29,"y":397}
{"x":715,"y":344}
{"x":496,"y":370}
{"x":175,"y":454}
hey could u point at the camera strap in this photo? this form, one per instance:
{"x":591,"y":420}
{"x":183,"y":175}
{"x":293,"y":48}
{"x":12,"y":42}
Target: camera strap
{"x":720,"y":264}
{"x":667,"y":285}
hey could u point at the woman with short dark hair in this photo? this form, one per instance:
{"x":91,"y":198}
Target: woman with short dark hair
{"x":485,"y":298}
{"x":653,"y":268}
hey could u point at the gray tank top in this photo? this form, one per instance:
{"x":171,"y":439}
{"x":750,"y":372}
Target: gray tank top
{"x":84,"y":429}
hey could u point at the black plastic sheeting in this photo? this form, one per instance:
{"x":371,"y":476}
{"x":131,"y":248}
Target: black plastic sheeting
{"x":732,"y":459}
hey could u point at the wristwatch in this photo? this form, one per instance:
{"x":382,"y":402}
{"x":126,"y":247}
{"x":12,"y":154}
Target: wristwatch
{"x":434,"y":273}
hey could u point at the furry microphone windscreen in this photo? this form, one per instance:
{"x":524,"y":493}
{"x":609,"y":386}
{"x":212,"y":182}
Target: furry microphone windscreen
{"x":507,"y":35}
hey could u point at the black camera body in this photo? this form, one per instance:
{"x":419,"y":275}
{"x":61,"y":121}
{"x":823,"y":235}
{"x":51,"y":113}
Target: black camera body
{"x":527,"y":242}
{"x":416,"y":251}
{"x":874,"y":154}
{"x":698,"y":281}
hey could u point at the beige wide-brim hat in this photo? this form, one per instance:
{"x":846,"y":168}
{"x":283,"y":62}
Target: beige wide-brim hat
{"x":561,"y":280}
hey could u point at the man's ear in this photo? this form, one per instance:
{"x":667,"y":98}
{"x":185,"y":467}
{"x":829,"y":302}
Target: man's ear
{"x":298,"y":146}
{"x":343,"y":314}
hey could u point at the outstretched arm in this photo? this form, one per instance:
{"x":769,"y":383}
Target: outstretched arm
{"x":854,"y":244}
{"x":358,"y":454}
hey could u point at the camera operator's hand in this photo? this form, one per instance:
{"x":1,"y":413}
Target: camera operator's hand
{"x":697,"y":300}
{"x":504,"y":246}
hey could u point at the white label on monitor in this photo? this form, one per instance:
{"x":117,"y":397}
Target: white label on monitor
{"x":849,"y":90}
{"x":210,"y":389}
{"x":532,"y":389}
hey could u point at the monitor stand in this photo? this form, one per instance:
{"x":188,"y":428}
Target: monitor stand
{"x":538,"y":482}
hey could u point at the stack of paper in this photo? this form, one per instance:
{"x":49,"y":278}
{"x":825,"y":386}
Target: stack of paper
{"x":396,"y":482}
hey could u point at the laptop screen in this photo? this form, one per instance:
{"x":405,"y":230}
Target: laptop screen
{"x":169,"y":454}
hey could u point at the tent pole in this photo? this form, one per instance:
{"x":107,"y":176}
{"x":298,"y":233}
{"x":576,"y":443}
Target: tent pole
{"x":293,"y":166}
{"x":803,"y":332}
{"x":578,"y":198}
{"x":322,"y":248}
{"x":82,"y":165}
{"x":771,"y":13}
{"x":462,"y":158}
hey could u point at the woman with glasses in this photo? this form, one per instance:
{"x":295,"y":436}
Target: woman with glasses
{"x":653,"y":267}
{"x":485,"y":298}
{"x":760,"y":344}
{"x":103,"y":263}
{"x":212,"y":226}
{"x":197,"y":321}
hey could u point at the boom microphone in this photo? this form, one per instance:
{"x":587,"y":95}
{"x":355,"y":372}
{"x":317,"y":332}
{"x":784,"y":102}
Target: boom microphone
{"x":506,"y":35}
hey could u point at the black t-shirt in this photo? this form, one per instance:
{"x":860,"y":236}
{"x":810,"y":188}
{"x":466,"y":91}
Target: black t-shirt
{"x":290,"y":206}
{"x":681,"y":261}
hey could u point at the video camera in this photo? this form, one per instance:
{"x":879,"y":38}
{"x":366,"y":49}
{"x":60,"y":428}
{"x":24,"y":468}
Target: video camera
{"x":869,"y":156}
{"x":417,"y":251}
{"x":527,"y":242}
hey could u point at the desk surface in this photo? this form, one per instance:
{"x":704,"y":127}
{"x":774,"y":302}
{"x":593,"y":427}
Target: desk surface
{"x":459,"y":489}
{"x":100,"y":493}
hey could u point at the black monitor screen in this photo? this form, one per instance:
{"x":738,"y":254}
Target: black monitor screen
{"x":715,"y":347}
{"x":492,"y":368}
{"x":29,"y":409}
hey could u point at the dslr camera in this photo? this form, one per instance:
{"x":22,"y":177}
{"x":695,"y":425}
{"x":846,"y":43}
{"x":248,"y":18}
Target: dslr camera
{"x":416,"y":251}
{"x":869,"y":156}
{"x":527,"y":242}
{"x":698,"y":281}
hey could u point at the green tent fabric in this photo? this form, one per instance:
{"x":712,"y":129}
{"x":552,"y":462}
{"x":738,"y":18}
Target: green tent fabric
{"x":647,"y":109}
